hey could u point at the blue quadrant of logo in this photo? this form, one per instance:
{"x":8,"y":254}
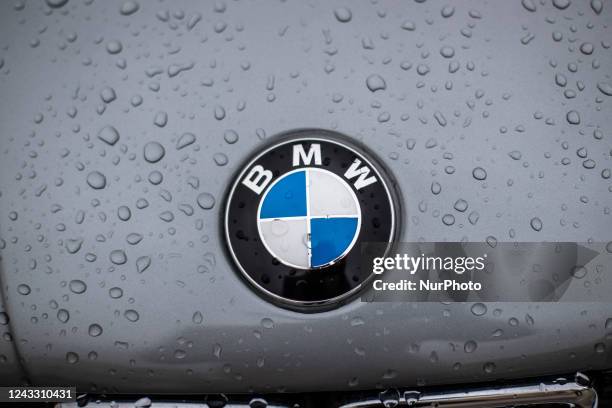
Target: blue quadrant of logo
{"x":330,"y":237}
{"x":286,"y":198}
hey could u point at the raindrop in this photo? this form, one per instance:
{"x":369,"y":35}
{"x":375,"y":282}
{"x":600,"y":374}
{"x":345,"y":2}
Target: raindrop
{"x":96,"y":180}
{"x":153,"y":152}
{"x":470,"y":346}
{"x":408,"y":25}
{"x":109,"y":135}
{"x":230,"y":136}
{"x":267,"y":323}
{"x":605,"y":87}
{"x":108,"y":94}
{"x":63,"y":315}
{"x":343,"y":14}
{"x":479,"y":173}
{"x":73,"y":245}
{"x":219,"y":112}
{"x":23,"y":289}
{"x":447,"y":52}
{"x":155,"y":177}
{"x":206,"y":201}
{"x":573,"y":117}
{"x":376,"y":83}
{"x":220,"y":159}
{"x":118,"y":257}
{"x":124,"y":213}
{"x":56,"y":3}
{"x":72,"y":357}
{"x":185,"y":140}
{"x":529,"y":5}
{"x":597,"y":6}
{"x":161,"y":119}
{"x":536,"y":224}
{"x":515,"y":155}
{"x":461,"y":205}
{"x":478,"y":309}
{"x":129,"y":7}
{"x":131,"y":315}
{"x":77,"y":286}
{"x":489,"y":367}
{"x":447,"y":11}
{"x":586,"y":48}
{"x":95,"y":330}
{"x":142,"y":263}
{"x":448,"y":219}
{"x":133,"y":238}
{"x":561,"y":4}
{"x":114,"y":47}
{"x":197,"y":318}
{"x":115,"y":292}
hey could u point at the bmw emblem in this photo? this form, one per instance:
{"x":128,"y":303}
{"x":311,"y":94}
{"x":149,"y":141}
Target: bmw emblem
{"x":298,"y":212}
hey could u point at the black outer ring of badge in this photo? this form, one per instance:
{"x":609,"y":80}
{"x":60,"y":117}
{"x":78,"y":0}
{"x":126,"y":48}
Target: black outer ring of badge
{"x":314,"y":289}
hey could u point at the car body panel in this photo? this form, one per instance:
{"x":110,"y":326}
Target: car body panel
{"x":187,"y":322}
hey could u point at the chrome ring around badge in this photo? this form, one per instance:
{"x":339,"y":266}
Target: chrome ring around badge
{"x":297,"y":213}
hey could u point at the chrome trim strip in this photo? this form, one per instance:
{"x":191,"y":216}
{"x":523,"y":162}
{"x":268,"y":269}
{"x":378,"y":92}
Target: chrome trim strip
{"x":575,"y":394}
{"x":578,"y":393}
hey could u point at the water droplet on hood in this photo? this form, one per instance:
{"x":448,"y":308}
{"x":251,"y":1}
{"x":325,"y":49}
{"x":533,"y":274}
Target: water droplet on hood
{"x":129,"y":7}
{"x":206,"y":201}
{"x":185,"y":140}
{"x":96,"y":180}
{"x":376,"y":83}
{"x":153,"y":152}
{"x":109,"y":135}
{"x":343,"y":14}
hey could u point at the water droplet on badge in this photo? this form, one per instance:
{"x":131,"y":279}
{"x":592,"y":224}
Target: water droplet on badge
{"x":23,"y":289}
{"x":280,"y":228}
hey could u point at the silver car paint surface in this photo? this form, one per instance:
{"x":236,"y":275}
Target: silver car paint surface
{"x":435,"y":89}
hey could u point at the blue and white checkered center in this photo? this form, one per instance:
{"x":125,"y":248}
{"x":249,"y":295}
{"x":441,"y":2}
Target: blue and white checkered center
{"x":309,"y":218}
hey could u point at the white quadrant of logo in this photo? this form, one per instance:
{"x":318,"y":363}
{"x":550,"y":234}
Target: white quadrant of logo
{"x":309,"y":218}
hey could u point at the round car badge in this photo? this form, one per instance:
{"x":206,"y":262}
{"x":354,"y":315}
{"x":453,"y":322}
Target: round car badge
{"x":298,"y":212}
